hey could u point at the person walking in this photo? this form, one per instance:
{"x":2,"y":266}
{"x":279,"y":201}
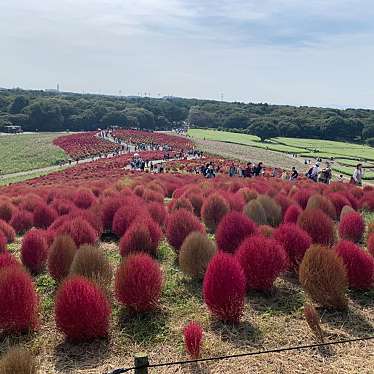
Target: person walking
{"x":257,"y":171}
{"x":357,"y":176}
{"x":232,"y":170}
{"x":313,"y":172}
{"x":294,"y":174}
{"x":248,"y":171}
{"x":326,"y":174}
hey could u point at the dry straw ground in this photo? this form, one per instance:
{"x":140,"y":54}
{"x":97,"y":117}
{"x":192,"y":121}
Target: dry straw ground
{"x":270,"y":321}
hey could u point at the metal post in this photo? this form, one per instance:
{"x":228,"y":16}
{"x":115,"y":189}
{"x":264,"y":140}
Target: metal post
{"x":141,"y":363}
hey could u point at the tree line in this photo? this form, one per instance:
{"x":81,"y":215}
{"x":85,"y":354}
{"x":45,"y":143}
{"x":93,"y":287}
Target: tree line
{"x":44,"y":111}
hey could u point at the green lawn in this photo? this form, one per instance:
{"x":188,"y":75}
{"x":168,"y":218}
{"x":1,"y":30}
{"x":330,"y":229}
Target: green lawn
{"x":232,"y":137}
{"x":28,"y":152}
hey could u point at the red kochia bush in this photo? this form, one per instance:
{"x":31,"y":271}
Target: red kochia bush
{"x":181,"y":203}
{"x":138,"y":283}
{"x":339,"y":201}
{"x":359,"y":264}
{"x":8,"y":231}
{"x":262,"y":260}
{"x":21,"y":221}
{"x":6,"y":260}
{"x":371,"y":244}
{"x":232,"y":230}
{"x":6,"y":211}
{"x":224,"y":288}
{"x":180,"y":224}
{"x":143,"y":236}
{"x":213,"y":210}
{"x":302,"y":197}
{"x":292,"y":214}
{"x":82,"y":311}
{"x":3,"y":242}
{"x":295,"y":241}
{"x":193,"y":337}
{"x":80,"y":231}
{"x":158,"y":212}
{"x":125,"y":215}
{"x":43,"y":216}
{"x":34,"y":250}
{"x":84,"y":198}
{"x":19,"y":301}
{"x":318,"y":225}
{"x":109,"y":209}
{"x":352,"y":227}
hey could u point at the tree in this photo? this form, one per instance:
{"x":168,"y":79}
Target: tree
{"x":236,"y":121}
{"x":264,"y":129}
{"x":115,"y":118}
{"x":200,"y":118}
{"x":18,"y":104}
{"x":368,"y":132}
{"x":44,"y":115}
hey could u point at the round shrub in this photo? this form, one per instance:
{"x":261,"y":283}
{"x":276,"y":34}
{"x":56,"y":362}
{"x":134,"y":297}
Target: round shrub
{"x":91,"y":263}
{"x":7,"y":260}
{"x":255,"y":211}
{"x":196,"y":252}
{"x":262,"y":261}
{"x":266,"y":231}
{"x":63,"y":206}
{"x":138,"y":283}
{"x":79,"y":230}
{"x":19,"y":301}
{"x":34,"y":251}
{"x":84,"y":198}
{"x":6,"y":211}
{"x":197,"y":201}
{"x":158,"y":213}
{"x":180,"y":224}
{"x":109,"y":209}
{"x":302,"y":197}
{"x":224,"y":288}
{"x":143,"y":236}
{"x":193,"y":337}
{"x":318,"y":225}
{"x":295,"y":241}
{"x":82,"y":311}
{"x":318,"y":201}
{"x":248,"y":194}
{"x":18,"y":361}
{"x":21,"y":221}
{"x":8,"y":231}
{"x":323,"y":276}
{"x":292,"y":214}
{"x":60,"y":257}
{"x":370,"y":244}
{"x":125,"y":216}
{"x":213,"y":210}
{"x":3,"y":242}
{"x":352,"y":227}
{"x":272,"y":209}
{"x":358,"y":263}
{"x":346,"y":209}
{"x":232,"y":230}
{"x":181,"y":203}
{"x":43,"y":216}
{"x":339,"y":201}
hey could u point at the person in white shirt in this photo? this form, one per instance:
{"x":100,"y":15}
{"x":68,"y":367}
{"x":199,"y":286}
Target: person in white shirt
{"x":358,"y":174}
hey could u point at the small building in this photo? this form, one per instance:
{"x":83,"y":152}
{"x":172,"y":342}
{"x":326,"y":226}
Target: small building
{"x":13,"y":129}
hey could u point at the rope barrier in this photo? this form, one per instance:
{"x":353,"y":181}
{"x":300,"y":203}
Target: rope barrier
{"x":218,"y":358}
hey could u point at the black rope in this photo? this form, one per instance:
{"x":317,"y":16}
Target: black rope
{"x":238,"y":355}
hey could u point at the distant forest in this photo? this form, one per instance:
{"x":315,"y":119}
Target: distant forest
{"x":44,"y":111}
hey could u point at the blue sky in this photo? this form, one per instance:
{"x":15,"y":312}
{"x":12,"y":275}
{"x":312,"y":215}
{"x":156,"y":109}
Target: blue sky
{"x":316,"y":52}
